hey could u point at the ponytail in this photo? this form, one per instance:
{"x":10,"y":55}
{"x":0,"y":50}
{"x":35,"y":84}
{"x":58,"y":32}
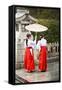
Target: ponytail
{"x":28,"y":35}
{"x":26,"y":42}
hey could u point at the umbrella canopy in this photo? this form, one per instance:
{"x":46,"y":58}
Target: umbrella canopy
{"x":36,"y":28}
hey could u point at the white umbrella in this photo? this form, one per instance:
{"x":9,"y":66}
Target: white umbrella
{"x":36,"y":28}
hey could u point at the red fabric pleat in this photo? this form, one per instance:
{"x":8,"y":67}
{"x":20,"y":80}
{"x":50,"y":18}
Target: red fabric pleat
{"x":43,"y":59}
{"x":29,"y":60}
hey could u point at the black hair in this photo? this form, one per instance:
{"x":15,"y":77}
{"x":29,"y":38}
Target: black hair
{"x":26,"y":42}
{"x":41,"y":36}
{"x":28,"y":35}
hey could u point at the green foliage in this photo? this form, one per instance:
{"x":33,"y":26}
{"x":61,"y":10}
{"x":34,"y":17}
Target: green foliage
{"x":45,"y":13}
{"x":50,"y":18}
{"x":52,"y":34}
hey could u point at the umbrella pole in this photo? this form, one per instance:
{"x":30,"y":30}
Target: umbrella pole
{"x":36,"y":36}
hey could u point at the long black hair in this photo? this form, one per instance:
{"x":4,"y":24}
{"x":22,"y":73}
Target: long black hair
{"x":26,"y":42}
{"x":28,"y":35}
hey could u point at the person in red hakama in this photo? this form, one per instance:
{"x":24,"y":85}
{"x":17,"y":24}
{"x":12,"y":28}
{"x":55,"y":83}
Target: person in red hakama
{"x":29,"y":55}
{"x":42,"y":54}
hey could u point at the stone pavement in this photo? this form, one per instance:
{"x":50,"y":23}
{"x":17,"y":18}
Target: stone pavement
{"x":52,"y":74}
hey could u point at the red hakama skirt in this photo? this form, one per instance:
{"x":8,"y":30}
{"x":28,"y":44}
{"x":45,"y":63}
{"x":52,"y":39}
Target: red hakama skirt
{"x":29,"y":60}
{"x":43,"y":59}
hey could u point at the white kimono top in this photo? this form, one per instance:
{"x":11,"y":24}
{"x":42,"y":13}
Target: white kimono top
{"x":42,"y":42}
{"x":31,"y":43}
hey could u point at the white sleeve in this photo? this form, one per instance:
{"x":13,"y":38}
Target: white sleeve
{"x":43,"y":42}
{"x":33,"y":44}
